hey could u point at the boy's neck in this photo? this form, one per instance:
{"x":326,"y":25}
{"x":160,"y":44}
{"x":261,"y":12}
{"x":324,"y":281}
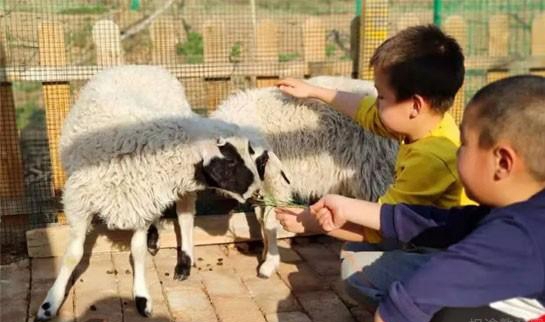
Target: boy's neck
{"x":426,"y":123}
{"x":519,"y":191}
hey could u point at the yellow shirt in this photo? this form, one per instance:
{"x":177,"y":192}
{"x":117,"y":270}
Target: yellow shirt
{"x":425,"y":170}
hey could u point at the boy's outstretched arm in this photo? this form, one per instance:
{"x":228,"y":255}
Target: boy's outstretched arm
{"x":334,"y":211}
{"x":343,"y":102}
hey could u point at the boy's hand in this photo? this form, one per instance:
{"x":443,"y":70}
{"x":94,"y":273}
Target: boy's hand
{"x":296,"y":87}
{"x":329,"y":212}
{"x":297,"y":220}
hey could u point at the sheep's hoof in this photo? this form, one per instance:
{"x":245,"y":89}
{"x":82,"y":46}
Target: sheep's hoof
{"x":153,"y":239}
{"x":143,"y":305}
{"x":183,"y":267}
{"x":44,"y":313}
{"x":268,"y":267}
{"x":182,"y":271}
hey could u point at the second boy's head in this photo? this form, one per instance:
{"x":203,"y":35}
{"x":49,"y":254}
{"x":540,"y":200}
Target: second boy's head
{"x":502,"y":157}
{"x":418,"y":70}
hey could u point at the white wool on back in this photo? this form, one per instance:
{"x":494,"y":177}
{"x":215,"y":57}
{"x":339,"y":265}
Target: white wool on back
{"x":321,"y":150}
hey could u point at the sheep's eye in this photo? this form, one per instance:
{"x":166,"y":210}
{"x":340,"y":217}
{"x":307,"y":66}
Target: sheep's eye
{"x":252,"y":152}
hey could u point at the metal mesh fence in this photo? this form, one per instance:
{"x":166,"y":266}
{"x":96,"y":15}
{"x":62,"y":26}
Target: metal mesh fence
{"x":49,"y":48}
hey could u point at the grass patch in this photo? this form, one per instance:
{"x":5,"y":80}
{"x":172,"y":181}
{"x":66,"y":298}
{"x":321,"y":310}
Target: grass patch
{"x":85,"y":9}
{"x":29,"y":115}
{"x":330,"y":50}
{"x":27,"y":87}
{"x":236,"y":52}
{"x":289,"y":56}
{"x":192,"y":48}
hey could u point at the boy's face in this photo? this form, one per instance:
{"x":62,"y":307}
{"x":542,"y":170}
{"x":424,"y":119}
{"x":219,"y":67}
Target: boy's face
{"x":475,"y":165}
{"x":393,"y":114}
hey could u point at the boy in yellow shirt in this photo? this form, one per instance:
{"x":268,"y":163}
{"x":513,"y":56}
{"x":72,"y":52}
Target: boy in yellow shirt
{"x":417,"y":73}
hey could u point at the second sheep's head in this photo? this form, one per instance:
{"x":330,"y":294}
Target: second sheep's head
{"x":236,"y":168}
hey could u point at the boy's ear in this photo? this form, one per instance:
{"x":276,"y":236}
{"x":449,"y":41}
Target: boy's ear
{"x":418,"y":104}
{"x":505,"y":158}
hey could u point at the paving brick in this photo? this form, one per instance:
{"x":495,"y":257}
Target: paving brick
{"x":271,"y":295}
{"x":15,"y":280}
{"x":44,"y":272}
{"x":97,"y":307}
{"x":237,"y":309}
{"x":223,"y":283}
{"x":209,"y":258}
{"x":165,"y":262}
{"x":123,"y":273}
{"x":45,"y":269}
{"x":308,"y":269}
{"x":287,"y":254}
{"x":339,"y":288}
{"x":96,"y":290}
{"x":189,"y":305}
{"x":361,"y":315}
{"x":246,"y":265}
{"x":288,"y":317}
{"x":321,"y":259}
{"x":324,"y":306}
{"x":300,"y":277}
{"x":14,"y":287}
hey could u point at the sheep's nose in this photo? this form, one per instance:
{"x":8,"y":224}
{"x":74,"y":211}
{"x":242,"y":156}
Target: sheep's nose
{"x":256,"y":196}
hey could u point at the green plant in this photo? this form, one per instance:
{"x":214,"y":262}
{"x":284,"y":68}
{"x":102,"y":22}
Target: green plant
{"x":192,"y":48}
{"x":85,"y":9}
{"x":289,"y":56}
{"x":236,"y":52}
{"x":29,"y":115}
{"x":330,"y":50}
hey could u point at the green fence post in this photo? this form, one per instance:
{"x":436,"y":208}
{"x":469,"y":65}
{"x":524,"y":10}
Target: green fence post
{"x":358,"y":7}
{"x":437,"y":11}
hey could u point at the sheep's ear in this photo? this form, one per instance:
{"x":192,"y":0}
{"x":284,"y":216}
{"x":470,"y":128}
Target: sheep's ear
{"x":208,"y":152}
{"x":221,"y":141}
{"x":278,"y":164}
{"x":268,"y":159}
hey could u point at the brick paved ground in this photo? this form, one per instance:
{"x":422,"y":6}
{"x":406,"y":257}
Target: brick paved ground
{"x":222,"y":287}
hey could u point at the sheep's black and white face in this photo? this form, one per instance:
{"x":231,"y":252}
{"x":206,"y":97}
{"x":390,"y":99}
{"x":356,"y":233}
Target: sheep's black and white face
{"x":230,"y":168}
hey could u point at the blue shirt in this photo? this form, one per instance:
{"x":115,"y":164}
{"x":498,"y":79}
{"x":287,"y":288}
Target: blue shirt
{"x":493,"y":254}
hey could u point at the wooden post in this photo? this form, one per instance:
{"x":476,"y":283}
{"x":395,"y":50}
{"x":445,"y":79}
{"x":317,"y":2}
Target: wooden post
{"x":215,"y":52}
{"x":314,"y":39}
{"x":538,"y":40}
{"x":498,"y":41}
{"x":456,"y":27}
{"x":108,"y":43}
{"x":56,"y":94}
{"x":215,"y":46}
{"x":267,"y":39}
{"x":163,"y":38}
{"x":374,"y":31}
{"x":11,"y":165}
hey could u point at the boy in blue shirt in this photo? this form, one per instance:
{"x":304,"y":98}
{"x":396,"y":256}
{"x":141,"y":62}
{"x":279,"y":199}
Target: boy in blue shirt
{"x":493,"y":268}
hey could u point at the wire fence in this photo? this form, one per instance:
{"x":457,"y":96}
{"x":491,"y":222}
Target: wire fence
{"x":50,"y":48}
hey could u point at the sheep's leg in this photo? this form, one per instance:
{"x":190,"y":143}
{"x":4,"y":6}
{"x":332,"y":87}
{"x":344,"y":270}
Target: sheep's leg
{"x":271,"y":257}
{"x":140,"y":288}
{"x":71,"y":259}
{"x":153,"y":238}
{"x":185,"y":209}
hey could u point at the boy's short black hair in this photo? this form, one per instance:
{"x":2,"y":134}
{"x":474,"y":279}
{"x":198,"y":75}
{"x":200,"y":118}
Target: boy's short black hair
{"x":422,"y":60}
{"x":512,"y":108}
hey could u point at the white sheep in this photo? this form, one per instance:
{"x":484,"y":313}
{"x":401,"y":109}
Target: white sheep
{"x":321,"y":151}
{"x":130,"y":151}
